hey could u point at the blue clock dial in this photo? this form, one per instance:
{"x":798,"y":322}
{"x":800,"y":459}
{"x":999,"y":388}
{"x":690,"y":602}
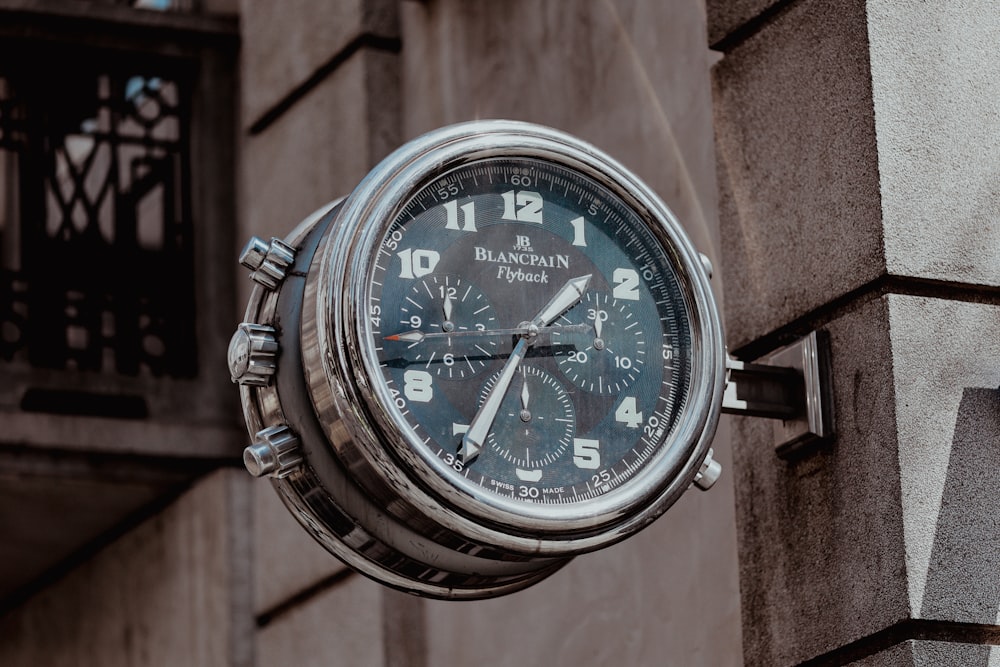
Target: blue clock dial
{"x":532,"y":332}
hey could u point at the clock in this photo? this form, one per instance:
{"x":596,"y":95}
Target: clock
{"x":498,"y":352}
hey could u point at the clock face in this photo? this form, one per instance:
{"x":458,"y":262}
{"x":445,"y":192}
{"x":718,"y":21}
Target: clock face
{"x":530,"y":331}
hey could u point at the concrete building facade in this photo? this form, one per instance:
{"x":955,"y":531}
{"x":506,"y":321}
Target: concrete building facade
{"x":837,"y":161}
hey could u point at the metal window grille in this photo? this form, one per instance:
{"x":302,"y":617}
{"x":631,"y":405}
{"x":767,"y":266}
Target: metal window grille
{"x":96,"y":239}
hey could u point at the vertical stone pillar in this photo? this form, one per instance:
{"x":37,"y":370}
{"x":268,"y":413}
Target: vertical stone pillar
{"x":858,"y":148}
{"x":321,"y":106}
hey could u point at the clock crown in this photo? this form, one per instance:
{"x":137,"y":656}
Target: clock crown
{"x":268,"y":261}
{"x":253,"y":352}
{"x":275,"y":452}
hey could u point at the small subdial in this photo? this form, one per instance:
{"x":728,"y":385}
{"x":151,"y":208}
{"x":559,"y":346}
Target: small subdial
{"x":535,"y":423}
{"x":610,"y":356}
{"x":439,"y":318}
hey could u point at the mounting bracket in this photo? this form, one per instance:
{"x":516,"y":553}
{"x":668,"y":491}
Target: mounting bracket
{"x":790,"y":385}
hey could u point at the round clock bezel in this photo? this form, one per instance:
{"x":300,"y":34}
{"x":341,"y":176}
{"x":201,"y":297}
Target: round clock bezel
{"x":387,"y":448}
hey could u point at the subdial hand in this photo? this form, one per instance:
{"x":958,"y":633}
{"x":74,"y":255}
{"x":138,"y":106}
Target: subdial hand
{"x":525,"y":397}
{"x":447,"y":308}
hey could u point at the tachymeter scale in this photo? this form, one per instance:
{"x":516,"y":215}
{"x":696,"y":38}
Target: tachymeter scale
{"x":518,"y":230}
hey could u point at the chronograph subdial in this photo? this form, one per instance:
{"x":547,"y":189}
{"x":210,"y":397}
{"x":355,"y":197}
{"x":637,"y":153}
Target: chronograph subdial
{"x":608,"y":359}
{"x":434,"y":307}
{"x":535,"y":423}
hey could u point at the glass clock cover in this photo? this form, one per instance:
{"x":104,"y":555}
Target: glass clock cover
{"x":509,"y":347}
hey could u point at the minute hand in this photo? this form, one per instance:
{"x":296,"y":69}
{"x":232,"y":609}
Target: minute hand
{"x":567,"y":296}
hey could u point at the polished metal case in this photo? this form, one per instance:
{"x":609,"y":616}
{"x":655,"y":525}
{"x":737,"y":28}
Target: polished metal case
{"x":364,"y":486}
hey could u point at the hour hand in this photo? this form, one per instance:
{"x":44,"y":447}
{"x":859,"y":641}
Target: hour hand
{"x":567,"y":297}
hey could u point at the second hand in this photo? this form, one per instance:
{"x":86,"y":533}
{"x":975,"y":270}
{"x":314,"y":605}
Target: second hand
{"x":419,"y":336}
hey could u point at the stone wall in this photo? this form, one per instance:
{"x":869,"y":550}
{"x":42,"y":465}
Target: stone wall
{"x":858,"y":153}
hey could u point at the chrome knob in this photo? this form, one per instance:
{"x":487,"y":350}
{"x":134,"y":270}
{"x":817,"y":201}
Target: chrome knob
{"x":268,"y":261}
{"x":253,"y":352}
{"x":275,"y":451}
{"x":706,"y":264}
{"x":709,"y":474}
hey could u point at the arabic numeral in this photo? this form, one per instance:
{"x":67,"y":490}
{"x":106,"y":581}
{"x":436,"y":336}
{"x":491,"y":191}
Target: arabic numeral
{"x":453,"y":461}
{"x":650,"y":428}
{"x":375,"y":315}
{"x":623,"y":363}
{"x":578,"y":237}
{"x":397,"y":399}
{"x":418,"y":386}
{"x":468,"y":216}
{"x":392,"y":242}
{"x":594,"y":314}
{"x":587,"y":453}
{"x":628,"y":413}
{"x":417,"y":263}
{"x":527,"y":491}
{"x":522,"y":206}
{"x":626,"y":284}
{"x":599,"y":478}
{"x":447,"y":190}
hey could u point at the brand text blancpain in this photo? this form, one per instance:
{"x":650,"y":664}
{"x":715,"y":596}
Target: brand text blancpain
{"x":520,"y":258}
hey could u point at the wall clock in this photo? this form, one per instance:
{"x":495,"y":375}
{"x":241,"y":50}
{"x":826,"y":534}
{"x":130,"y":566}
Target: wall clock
{"x":498,"y":352}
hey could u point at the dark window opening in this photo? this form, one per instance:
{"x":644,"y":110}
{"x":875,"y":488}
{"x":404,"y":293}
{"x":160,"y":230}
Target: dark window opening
{"x":96,"y":233}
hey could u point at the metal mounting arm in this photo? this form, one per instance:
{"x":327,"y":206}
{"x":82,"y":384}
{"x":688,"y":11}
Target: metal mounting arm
{"x":791,"y":385}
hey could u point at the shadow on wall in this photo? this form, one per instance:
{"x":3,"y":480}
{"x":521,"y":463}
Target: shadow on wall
{"x":964,"y":577}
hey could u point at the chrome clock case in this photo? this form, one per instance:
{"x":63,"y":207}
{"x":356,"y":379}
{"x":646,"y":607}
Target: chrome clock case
{"x":333,"y":441}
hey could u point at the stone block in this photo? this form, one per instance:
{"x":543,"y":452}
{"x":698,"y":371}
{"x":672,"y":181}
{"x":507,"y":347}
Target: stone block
{"x":937,"y":116}
{"x":800,"y":211}
{"x":946,"y":370}
{"x":287,"y":560}
{"x":917,"y":653}
{"x":821,"y":538}
{"x":174,"y":591}
{"x":896,"y":519}
{"x":318,"y":30}
{"x":341,"y":626}
{"x":321,"y":148}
